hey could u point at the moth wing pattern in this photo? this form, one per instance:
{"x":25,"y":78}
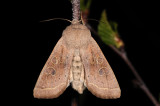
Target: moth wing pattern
{"x":54,"y":77}
{"x":100,"y":79}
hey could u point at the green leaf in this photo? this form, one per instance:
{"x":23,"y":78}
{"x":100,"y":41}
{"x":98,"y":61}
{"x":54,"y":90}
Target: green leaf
{"x":88,"y":4}
{"x":105,"y":31}
{"x":114,"y":26}
{"x":108,"y":31}
{"x":85,"y":5}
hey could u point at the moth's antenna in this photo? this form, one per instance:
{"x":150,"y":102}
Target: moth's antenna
{"x":75,"y":21}
{"x":96,"y":20}
{"x":56,"y":19}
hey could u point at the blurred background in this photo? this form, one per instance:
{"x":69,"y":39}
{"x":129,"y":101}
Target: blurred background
{"x":138,"y":26}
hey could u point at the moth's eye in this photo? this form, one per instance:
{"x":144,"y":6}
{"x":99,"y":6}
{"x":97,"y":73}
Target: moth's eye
{"x":51,"y":71}
{"x":103,"y":71}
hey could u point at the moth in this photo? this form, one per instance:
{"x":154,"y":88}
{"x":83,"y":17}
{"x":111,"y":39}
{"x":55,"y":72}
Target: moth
{"x":77,"y":60}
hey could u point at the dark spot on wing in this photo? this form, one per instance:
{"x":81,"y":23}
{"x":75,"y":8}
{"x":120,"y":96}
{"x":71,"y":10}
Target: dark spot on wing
{"x":103,"y":71}
{"x":51,"y":71}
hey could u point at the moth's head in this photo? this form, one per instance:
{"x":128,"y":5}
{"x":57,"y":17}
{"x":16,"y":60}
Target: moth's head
{"x":76,"y":24}
{"x":74,"y":21}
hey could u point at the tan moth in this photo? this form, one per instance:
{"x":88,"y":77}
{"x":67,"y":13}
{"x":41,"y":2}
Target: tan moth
{"x":77,"y":60}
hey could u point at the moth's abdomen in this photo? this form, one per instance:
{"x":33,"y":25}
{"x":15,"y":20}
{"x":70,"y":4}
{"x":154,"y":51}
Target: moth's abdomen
{"x":77,"y":73}
{"x":76,"y":68}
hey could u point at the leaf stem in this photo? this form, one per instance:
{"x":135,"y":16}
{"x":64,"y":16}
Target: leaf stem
{"x":122,"y":53}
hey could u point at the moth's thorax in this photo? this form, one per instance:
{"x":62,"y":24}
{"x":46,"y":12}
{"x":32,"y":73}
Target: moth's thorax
{"x":76,"y":35}
{"x":77,"y":73}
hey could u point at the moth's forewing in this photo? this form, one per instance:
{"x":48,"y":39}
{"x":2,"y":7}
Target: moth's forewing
{"x":54,"y":77}
{"x":100,"y":79}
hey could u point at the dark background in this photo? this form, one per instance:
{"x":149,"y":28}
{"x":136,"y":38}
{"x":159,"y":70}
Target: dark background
{"x":138,"y":25}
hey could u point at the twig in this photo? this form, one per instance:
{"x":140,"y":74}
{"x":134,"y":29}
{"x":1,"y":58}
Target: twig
{"x":141,"y":83}
{"x":76,"y":9}
{"x":121,"y":52}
